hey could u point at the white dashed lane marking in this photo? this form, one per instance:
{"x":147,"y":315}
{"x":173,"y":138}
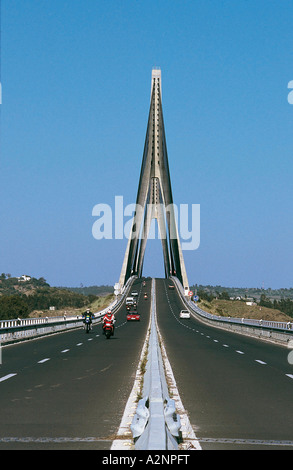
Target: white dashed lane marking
{"x":259,"y":361}
{"x":6,"y":377}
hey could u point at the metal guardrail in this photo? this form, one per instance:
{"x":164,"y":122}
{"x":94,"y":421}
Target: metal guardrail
{"x":28,"y":328}
{"x":156,"y":424}
{"x":282,"y":327}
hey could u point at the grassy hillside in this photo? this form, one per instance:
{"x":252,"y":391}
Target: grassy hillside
{"x":91,"y":290}
{"x":239,"y":309}
{"x":26,"y":296}
{"x":252,"y":292}
{"x":94,"y":305}
{"x":36,"y":298}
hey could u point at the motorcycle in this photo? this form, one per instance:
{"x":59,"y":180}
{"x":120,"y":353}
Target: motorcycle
{"x":87,"y":325}
{"x":108,"y":330}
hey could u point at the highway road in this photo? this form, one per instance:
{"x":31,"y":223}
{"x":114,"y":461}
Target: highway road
{"x":69,"y":390}
{"x":237,"y":390}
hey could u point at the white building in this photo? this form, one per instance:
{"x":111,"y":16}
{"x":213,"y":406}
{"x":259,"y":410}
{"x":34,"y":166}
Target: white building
{"x":24,"y":278}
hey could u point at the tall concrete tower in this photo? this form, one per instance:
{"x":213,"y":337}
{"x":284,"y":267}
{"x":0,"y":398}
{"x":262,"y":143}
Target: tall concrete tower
{"x":154,"y":199}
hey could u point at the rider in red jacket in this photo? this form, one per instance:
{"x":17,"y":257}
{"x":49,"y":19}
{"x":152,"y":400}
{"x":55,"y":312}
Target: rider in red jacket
{"x":109,"y":318}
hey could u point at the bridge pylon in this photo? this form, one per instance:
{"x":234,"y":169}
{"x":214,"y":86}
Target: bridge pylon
{"x":154,"y":199}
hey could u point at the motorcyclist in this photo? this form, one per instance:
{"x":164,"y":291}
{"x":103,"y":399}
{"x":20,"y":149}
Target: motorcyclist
{"x":88,"y":315}
{"x":109,"y":318}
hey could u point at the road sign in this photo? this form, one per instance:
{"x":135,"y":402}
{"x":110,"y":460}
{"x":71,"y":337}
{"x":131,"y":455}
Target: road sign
{"x":195,"y":298}
{"x":190,"y":293}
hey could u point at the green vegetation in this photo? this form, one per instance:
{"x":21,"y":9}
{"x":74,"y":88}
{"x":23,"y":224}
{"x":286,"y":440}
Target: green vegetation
{"x":13,"y":307}
{"x":227,"y":301}
{"x":21,"y":298}
{"x":27,"y":296}
{"x":91,"y":290}
{"x":251,"y":292}
{"x":239,"y":309}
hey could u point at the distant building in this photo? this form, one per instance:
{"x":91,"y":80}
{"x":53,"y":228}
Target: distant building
{"x":24,"y":278}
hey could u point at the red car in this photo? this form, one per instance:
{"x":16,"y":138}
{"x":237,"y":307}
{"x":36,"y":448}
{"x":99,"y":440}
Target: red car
{"x":133,"y":315}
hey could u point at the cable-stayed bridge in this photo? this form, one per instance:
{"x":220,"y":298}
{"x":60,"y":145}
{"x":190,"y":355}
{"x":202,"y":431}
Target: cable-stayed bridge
{"x":154,"y":199}
{"x":164,"y":382}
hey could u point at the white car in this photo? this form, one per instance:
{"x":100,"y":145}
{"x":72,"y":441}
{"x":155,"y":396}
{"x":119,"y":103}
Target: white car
{"x":184,"y":314}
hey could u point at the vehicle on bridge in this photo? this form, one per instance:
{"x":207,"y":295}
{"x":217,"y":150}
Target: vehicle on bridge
{"x":87,"y":324}
{"x":184,"y":314}
{"x":129,"y":300}
{"x":133,"y":315}
{"x":108,"y":330}
{"x":130,"y":303}
{"x":131,"y":307}
{"x":108,"y":324}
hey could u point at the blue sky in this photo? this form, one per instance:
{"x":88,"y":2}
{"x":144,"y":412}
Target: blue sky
{"x":76,"y":77}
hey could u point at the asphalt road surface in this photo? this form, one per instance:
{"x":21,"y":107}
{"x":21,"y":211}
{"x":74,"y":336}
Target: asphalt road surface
{"x":69,"y":390}
{"x":238,"y":391}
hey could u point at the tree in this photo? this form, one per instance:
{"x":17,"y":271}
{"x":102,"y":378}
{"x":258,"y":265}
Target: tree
{"x":265,"y":302}
{"x":42,"y":281}
{"x":12,"y":307}
{"x":224,"y":296}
